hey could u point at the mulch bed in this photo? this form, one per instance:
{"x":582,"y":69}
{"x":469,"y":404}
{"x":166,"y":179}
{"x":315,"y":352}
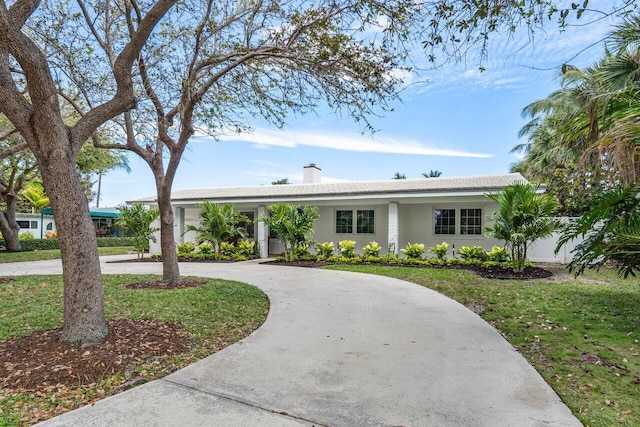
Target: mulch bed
{"x":487,"y":272}
{"x":39,"y":361}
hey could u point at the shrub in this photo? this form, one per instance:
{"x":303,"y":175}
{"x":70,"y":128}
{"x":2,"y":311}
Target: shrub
{"x":454,"y":261}
{"x":186,"y":248}
{"x":371,"y":250}
{"x":347,"y":248}
{"x":205,"y":248}
{"x":301,"y":251}
{"x":26,"y":235}
{"x":471,"y":252}
{"x":110,"y":242}
{"x":414,"y":250}
{"x":38,"y":244}
{"x":498,"y":254}
{"x":440,"y":251}
{"x":51,"y":235}
{"x":228,"y":250}
{"x":325,"y":250}
{"x":247,"y":248}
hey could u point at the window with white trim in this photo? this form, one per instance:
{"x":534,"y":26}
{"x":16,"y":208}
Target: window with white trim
{"x":364,"y":221}
{"x":470,"y":221}
{"x":444,"y":221}
{"x":344,"y":222}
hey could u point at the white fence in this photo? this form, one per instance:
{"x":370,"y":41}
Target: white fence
{"x":543,"y":250}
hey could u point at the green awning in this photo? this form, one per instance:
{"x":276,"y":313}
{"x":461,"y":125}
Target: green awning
{"x":95,"y":213}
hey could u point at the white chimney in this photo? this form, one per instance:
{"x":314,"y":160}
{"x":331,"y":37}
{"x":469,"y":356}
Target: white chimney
{"x":311,"y":174}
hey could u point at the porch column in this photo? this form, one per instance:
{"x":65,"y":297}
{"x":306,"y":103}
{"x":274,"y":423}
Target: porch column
{"x":263,"y":233}
{"x":394,"y":228}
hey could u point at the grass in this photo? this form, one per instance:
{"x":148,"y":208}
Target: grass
{"x":216,"y":314}
{"x":55,"y":254}
{"x":581,"y":335}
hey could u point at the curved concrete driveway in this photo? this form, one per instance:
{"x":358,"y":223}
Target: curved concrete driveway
{"x":337,"y":349}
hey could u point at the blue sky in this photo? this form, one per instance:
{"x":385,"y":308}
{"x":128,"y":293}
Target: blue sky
{"x":461,"y":122}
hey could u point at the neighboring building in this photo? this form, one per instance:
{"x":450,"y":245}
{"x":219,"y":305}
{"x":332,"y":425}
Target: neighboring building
{"x":40,"y":223}
{"x":392,"y":213}
{"x":35,"y":223}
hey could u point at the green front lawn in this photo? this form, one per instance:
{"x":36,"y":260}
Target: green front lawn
{"x":216,"y":314}
{"x":581,"y":335}
{"x":55,"y":254}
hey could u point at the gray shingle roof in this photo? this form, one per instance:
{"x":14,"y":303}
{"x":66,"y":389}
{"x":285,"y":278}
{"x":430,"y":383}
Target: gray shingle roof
{"x":481,"y":183}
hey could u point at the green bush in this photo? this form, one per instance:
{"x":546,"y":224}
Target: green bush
{"x":325,"y":250}
{"x":205,"y":248}
{"x":48,"y":244}
{"x":454,"y":261}
{"x":301,"y":251}
{"x":371,"y":250}
{"x":186,"y":248}
{"x":498,"y":254}
{"x":471,"y":252}
{"x":111,"y":242}
{"x":27,"y":235}
{"x":413,"y":250}
{"x":440,"y":251}
{"x":228,"y":250}
{"x":347,"y":248}
{"x":247,"y":249}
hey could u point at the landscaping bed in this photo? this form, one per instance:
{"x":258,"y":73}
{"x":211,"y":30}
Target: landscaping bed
{"x":490,"y":272}
{"x":154,"y":329}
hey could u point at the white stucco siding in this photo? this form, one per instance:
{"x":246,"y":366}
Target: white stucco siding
{"x":417,"y":224}
{"x":325,"y":229}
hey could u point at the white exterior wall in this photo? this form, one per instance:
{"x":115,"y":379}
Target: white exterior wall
{"x":417,"y":225}
{"x":543,"y":250}
{"x":325,"y":229}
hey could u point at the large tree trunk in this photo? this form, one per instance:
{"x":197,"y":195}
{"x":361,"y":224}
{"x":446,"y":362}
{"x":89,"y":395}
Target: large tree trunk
{"x":170,"y":268}
{"x":9,"y":226}
{"x":84,"y":321}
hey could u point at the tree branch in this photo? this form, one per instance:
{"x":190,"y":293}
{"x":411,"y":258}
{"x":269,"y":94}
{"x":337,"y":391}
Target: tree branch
{"x":124,"y":98}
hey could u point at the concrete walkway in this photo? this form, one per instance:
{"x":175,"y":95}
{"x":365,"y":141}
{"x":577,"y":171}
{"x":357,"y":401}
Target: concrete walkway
{"x":337,"y":349}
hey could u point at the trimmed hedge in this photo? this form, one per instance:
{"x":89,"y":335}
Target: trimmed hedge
{"x":44,"y":244}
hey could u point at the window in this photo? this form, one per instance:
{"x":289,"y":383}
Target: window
{"x":50,"y":226}
{"x":445,"y":221}
{"x":248,"y":225}
{"x":344,"y":222}
{"x":34,"y":225}
{"x":23,"y":224}
{"x":365,"y":222}
{"x":470,"y":221}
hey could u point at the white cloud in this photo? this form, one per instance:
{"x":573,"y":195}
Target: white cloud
{"x":344,"y":142}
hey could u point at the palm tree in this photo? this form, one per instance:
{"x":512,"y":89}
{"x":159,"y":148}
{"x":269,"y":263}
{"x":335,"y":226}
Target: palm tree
{"x":432,"y":174}
{"x":293,"y":224}
{"x":399,"y":175}
{"x":523,"y":217}
{"x":219,"y":223}
{"x":136,"y":222}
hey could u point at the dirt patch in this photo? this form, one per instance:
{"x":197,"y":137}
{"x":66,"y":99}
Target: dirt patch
{"x":163,"y":285}
{"x":4,"y":280}
{"x":39,"y":361}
